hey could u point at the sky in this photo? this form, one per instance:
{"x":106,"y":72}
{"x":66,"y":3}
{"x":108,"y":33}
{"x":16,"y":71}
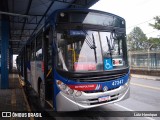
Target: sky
{"x":136,"y":13}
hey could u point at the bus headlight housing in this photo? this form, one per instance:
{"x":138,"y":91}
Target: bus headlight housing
{"x":67,"y":90}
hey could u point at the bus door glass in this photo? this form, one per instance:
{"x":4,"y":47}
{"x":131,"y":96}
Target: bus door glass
{"x":39,"y":57}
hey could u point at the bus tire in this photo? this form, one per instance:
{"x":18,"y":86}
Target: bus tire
{"x":42,"y":95}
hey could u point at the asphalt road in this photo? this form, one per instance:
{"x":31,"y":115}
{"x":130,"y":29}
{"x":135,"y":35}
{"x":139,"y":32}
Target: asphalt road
{"x":144,"y":96}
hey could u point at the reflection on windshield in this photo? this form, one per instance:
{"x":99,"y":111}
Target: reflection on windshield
{"x":92,"y":51}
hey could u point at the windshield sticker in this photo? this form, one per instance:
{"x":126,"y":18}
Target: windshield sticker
{"x":78,"y":66}
{"x":108,"y":64}
{"x":117,"y":62}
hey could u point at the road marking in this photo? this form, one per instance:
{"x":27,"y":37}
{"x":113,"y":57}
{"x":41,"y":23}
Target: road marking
{"x":149,"y":118}
{"x":146,"y":86}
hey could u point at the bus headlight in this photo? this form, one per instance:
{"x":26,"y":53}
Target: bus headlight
{"x":67,"y":90}
{"x":78,"y":93}
{"x":70,"y":91}
{"x":63,"y":86}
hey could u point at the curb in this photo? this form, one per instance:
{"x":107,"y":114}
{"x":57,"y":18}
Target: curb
{"x":156,"y":78}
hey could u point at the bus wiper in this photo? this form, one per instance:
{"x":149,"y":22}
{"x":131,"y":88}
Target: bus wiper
{"x":89,"y":40}
{"x":109,"y":46}
{"x":95,"y":53}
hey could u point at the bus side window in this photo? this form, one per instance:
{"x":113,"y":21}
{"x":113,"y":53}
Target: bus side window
{"x":39,"y":54}
{"x":32,"y":50}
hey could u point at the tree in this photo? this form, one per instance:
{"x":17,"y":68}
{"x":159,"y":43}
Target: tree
{"x":136,"y":39}
{"x":156,"y":25}
{"x":155,"y":42}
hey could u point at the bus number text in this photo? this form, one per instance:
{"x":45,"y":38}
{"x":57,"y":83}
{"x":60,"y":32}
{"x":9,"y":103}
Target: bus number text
{"x":117,"y":82}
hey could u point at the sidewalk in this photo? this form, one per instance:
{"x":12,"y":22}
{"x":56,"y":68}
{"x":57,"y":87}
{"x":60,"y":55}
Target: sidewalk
{"x":13,"y":99}
{"x":146,"y":77}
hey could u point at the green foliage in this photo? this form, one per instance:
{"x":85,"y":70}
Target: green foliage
{"x":156,"y":25}
{"x":136,"y":39}
{"x":154,"y":43}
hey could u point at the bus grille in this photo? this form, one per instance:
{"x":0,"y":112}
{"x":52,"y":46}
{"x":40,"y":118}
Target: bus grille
{"x":93,"y":78}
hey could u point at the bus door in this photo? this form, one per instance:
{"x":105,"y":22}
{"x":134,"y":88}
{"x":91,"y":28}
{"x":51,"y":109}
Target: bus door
{"x":47,"y":47}
{"x":39,"y":58}
{"x":28,"y":65}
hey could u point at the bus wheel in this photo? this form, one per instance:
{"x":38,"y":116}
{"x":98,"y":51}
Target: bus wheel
{"x":42,"y":95}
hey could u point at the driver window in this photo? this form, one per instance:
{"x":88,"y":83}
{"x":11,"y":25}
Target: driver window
{"x":110,"y":45}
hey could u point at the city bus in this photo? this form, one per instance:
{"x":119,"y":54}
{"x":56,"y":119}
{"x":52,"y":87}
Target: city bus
{"x":77,"y":60}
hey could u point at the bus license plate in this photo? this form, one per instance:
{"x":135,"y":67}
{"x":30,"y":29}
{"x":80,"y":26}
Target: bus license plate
{"x":104,"y":98}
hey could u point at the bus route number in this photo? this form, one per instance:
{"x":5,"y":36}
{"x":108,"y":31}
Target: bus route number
{"x":117,"y":82}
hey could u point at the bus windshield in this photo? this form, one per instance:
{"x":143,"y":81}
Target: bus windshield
{"x":88,"y":50}
{"x":90,"y":41}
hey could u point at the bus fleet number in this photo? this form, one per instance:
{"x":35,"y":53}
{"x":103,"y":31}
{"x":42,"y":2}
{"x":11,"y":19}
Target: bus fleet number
{"x":117,"y":82}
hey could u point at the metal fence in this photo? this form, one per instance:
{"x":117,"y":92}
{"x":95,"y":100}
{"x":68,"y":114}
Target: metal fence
{"x":144,"y":60}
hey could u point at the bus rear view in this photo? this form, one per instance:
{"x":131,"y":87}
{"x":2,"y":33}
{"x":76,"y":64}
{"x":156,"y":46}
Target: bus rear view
{"x":90,"y":65}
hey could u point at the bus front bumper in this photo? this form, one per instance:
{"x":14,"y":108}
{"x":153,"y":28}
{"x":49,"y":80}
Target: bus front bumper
{"x":66,"y":102}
